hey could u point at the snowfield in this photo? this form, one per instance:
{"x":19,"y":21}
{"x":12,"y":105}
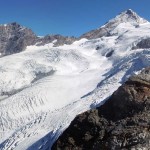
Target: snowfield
{"x":43,"y":88}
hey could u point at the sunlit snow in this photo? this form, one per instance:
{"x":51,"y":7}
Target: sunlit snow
{"x":43,"y":88}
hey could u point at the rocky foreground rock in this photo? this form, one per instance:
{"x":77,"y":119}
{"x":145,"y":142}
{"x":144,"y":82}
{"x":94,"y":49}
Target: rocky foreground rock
{"x":123,"y":122}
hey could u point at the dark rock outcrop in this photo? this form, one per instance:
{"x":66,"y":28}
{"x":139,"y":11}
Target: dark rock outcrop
{"x":109,"y":53}
{"x":145,"y":43}
{"x":14,"y":38}
{"x":123,"y":122}
{"x":57,"y":39}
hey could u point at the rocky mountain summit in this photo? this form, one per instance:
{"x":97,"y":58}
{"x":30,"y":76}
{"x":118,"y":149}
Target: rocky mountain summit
{"x":123,"y":122}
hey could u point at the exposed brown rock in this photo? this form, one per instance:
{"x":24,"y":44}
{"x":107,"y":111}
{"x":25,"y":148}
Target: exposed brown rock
{"x":123,"y":122}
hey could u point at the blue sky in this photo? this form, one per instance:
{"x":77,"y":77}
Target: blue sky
{"x":67,"y":17}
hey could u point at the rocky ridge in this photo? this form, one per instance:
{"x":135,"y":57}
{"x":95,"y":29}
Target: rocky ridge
{"x":123,"y":122}
{"x":57,"y":40}
{"x":15,"y":38}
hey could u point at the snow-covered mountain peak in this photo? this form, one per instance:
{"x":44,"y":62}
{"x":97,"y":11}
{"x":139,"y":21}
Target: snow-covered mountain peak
{"x":125,"y":19}
{"x":129,"y":16}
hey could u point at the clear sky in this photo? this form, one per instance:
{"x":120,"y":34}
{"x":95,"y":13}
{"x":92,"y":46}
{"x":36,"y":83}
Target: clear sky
{"x":67,"y":17}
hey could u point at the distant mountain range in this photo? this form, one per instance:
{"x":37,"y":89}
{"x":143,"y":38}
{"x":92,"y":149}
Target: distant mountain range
{"x":15,"y":38}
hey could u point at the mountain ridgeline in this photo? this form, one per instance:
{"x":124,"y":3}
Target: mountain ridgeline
{"x":125,"y":17}
{"x":15,"y":38}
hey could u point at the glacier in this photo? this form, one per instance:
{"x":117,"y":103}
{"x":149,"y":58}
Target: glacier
{"x":43,"y":88}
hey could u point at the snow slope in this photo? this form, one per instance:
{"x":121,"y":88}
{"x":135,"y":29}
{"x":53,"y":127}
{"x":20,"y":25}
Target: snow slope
{"x":43,"y":88}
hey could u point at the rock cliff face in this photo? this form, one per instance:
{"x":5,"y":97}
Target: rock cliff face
{"x":14,"y":38}
{"x":123,"y":122}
